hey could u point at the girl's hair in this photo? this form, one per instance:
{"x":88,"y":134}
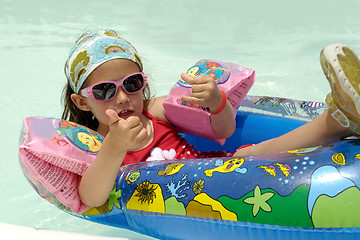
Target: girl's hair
{"x":73,"y":113}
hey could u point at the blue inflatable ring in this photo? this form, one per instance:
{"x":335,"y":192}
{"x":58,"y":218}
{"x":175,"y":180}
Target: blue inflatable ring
{"x":308,"y":193}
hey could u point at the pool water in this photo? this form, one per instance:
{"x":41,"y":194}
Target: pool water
{"x":280,"y":39}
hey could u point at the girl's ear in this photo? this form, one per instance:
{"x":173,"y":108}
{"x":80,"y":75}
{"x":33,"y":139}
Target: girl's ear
{"x":80,"y":102}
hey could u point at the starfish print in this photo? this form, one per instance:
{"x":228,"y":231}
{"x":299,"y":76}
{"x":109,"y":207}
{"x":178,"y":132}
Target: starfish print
{"x":62,"y":131}
{"x":259,"y":201}
{"x":114,"y":199}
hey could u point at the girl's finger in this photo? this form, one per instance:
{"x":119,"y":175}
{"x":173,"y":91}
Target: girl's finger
{"x":187,"y":79}
{"x":143,"y":134}
{"x":199,"y":88}
{"x":198,"y":95}
{"x":113,"y":117}
{"x":134,"y":122}
{"x":192,"y":100}
{"x":149,"y":130}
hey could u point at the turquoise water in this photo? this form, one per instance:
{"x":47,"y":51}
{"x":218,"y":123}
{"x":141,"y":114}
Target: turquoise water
{"x":280,"y":39}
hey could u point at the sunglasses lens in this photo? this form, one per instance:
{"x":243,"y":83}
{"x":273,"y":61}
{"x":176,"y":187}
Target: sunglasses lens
{"x":104,"y":91}
{"x":133,"y":83}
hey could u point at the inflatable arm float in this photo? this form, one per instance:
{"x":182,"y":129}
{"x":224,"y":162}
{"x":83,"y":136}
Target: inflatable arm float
{"x":235,"y":81}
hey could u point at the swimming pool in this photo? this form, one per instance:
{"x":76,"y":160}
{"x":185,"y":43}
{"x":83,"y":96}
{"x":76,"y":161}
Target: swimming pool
{"x":280,"y":39}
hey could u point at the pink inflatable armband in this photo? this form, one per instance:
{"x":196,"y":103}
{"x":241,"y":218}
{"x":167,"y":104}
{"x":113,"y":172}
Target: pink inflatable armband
{"x":233,"y":79}
{"x":54,"y":154}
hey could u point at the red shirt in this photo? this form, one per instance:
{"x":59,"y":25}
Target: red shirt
{"x":167,"y":144}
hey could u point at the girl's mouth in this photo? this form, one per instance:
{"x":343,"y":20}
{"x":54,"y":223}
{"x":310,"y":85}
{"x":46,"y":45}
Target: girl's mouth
{"x":125,"y":113}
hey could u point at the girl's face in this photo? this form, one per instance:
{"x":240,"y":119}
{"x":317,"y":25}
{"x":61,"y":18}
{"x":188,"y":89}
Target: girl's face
{"x":125,"y":105}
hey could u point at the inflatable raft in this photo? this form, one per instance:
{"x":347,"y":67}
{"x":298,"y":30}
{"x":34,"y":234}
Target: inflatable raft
{"x":308,"y":193}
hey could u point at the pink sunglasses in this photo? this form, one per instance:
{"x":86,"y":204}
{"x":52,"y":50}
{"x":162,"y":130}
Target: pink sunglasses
{"x":107,"y":90}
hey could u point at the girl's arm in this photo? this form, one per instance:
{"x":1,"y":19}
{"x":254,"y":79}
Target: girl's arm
{"x":98,"y":180}
{"x":155,"y":107}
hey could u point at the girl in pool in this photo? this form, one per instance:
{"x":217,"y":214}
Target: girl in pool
{"x":107,"y":91}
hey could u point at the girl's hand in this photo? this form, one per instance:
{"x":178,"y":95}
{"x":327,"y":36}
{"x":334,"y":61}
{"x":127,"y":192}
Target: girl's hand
{"x":130,"y":133}
{"x":204,"y":92}
{"x":98,"y":180}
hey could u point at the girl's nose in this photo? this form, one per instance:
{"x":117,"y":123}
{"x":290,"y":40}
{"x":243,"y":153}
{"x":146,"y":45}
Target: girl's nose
{"x":121,"y":96}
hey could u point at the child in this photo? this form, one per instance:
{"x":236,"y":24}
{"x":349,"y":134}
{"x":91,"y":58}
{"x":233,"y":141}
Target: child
{"x":135,"y":126}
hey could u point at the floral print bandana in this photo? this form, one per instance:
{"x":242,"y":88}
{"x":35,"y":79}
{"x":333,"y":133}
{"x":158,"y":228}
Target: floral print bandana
{"x":92,"y":50}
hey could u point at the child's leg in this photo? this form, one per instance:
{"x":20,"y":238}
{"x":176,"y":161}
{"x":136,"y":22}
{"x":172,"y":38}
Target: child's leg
{"x":342,"y":68}
{"x":322,"y":130}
